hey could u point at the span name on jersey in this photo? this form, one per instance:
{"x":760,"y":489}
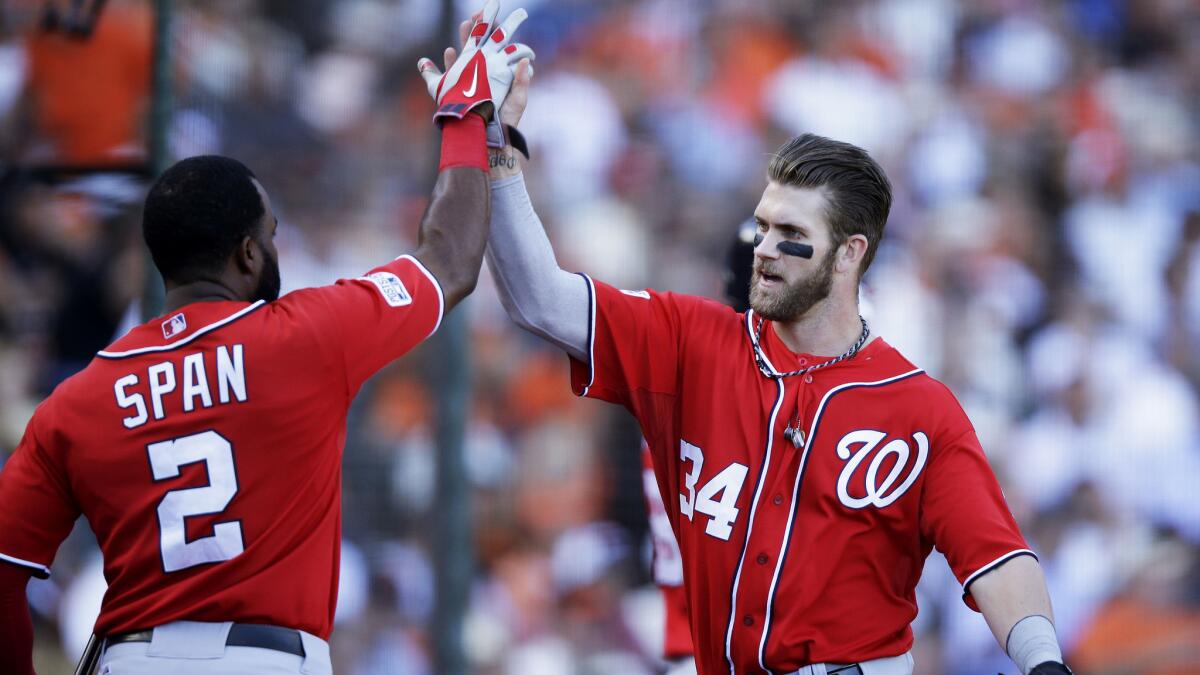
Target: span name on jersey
{"x":200,"y":379}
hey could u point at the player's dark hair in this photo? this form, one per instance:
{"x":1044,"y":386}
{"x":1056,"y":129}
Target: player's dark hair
{"x":860,"y":194}
{"x":197,"y":213}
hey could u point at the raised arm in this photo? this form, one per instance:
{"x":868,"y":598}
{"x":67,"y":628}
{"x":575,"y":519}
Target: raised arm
{"x":454,"y":227}
{"x":539,"y":295}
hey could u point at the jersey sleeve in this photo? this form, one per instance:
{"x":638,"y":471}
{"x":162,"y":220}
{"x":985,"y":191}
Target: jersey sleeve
{"x":963,"y":510}
{"x":37,"y":510}
{"x":370,"y":321}
{"x":633,"y":343}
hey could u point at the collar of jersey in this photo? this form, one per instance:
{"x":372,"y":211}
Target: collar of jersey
{"x":770,"y":344}
{"x":146,"y":332}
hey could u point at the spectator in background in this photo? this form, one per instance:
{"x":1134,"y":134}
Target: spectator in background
{"x":88,"y":87}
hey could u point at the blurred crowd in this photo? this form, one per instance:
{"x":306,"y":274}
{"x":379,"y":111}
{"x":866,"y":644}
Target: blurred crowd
{"x":1042,"y":258}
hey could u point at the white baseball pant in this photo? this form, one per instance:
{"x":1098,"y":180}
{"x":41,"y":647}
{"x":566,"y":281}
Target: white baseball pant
{"x":893,"y":665}
{"x":198,"y":648}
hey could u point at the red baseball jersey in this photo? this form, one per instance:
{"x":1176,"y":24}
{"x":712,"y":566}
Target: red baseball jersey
{"x":205,"y":447}
{"x":667,"y":567}
{"x":794,"y":556}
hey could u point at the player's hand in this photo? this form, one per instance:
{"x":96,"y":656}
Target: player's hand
{"x":478,"y":79}
{"x":503,"y":160}
{"x":514,"y":106}
{"x":1050,"y":668}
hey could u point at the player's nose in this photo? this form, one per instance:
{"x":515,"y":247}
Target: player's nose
{"x":765,"y":246}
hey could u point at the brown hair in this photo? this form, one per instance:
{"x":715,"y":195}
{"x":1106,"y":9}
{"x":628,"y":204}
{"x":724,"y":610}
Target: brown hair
{"x":860,"y":195}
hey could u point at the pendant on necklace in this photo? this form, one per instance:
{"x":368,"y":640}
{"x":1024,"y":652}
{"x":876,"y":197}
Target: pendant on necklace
{"x":796,"y":436}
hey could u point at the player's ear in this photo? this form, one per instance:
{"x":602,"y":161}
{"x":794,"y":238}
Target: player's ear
{"x":851,"y":253}
{"x":247,"y":255}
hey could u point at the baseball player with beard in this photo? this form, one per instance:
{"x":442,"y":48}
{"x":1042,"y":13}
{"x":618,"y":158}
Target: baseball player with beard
{"x":806,"y":466}
{"x":204,"y":447}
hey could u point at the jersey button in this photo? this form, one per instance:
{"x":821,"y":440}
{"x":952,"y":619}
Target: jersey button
{"x":778,"y":500}
{"x":808,"y":379}
{"x":748,"y":620}
{"x":762,"y":558}
{"x":803,"y":361}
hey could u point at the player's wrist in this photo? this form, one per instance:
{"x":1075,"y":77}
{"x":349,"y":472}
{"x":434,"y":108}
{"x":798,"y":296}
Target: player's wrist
{"x":1051,"y":668}
{"x":503,"y":162}
{"x":484,"y":110}
{"x":464,"y":143}
{"x":1032,"y":645}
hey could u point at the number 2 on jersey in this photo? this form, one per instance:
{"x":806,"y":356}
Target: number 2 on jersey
{"x":166,"y":458}
{"x":728,"y":484}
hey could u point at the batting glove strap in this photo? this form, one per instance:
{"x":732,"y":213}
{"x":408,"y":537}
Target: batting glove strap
{"x":500,"y":136}
{"x":1051,"y":668}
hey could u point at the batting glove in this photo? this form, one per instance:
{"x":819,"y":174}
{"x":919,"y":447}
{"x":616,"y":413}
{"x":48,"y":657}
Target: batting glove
{"x":482,"y":75}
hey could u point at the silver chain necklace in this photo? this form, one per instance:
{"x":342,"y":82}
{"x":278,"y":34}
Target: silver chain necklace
{"x":794,"y":433}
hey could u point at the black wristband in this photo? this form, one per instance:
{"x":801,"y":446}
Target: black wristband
{"x":1050,"y":668}
{"x":517,"y":140}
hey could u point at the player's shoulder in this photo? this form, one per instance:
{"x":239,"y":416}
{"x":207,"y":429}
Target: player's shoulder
{"x":691,"y":307}
{"x":929,"y":397}
{"x":396,"y":283}
{"x":892,"y":364}
{"x":73,"y":393}
{"x":179,"y":329}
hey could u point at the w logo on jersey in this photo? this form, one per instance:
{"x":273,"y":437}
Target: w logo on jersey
{"x":858,"y":488}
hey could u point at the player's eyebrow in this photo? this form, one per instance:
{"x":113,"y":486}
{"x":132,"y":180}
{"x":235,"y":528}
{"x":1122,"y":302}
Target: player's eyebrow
{"x":787,"y":228}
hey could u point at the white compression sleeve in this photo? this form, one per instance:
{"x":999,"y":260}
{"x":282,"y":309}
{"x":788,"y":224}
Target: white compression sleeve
{"x":538,"y":295}
{"x":1032,"y":642}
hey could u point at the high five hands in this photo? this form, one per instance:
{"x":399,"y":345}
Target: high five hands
{"x":491,"y":72}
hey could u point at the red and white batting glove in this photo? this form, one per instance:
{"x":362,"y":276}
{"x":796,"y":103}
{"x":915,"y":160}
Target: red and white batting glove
{"x":483,"y":73}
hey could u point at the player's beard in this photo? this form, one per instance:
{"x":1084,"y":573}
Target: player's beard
{"x":793,"y":299}
{"x":268,"y":282}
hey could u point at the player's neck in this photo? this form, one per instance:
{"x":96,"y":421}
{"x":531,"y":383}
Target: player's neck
{"x":198,"y":291}
{"x":828,"y":329}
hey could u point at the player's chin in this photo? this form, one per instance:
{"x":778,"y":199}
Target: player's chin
{"x":767,"y":302}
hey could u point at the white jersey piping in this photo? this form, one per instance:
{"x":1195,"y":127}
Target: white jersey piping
{"x":787,"y":533}
{"x":181,"y":342}
{"x":40,"y":571}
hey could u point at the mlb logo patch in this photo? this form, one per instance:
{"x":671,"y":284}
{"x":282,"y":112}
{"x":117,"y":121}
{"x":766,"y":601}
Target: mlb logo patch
{"x":390,"y":287}
{"x":174,"y":326}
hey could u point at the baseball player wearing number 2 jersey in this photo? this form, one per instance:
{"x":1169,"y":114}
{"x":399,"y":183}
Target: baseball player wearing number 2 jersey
{"x":204,"y":447}
{"x":807,"y":467}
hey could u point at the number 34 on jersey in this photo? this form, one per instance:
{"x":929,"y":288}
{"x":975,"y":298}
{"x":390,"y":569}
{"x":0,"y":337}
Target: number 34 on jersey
{"x":864,"y":452}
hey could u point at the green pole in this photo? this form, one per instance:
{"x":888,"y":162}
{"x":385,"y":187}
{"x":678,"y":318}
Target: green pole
{"x":452,"y":550}
{"x":160,"y":122}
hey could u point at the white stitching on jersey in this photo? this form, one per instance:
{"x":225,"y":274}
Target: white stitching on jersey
{"x":179,"y":343}
{"x":787,"y":533}
{"x":592,"y":302}
{"x":750,"y":334}
{"x":438,"y":286}
{"x":737,"y":576}
{"x":40,"y":569}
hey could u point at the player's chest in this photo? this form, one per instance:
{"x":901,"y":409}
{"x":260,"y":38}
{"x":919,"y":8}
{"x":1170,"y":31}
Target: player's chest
{"x":819,"y":448}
